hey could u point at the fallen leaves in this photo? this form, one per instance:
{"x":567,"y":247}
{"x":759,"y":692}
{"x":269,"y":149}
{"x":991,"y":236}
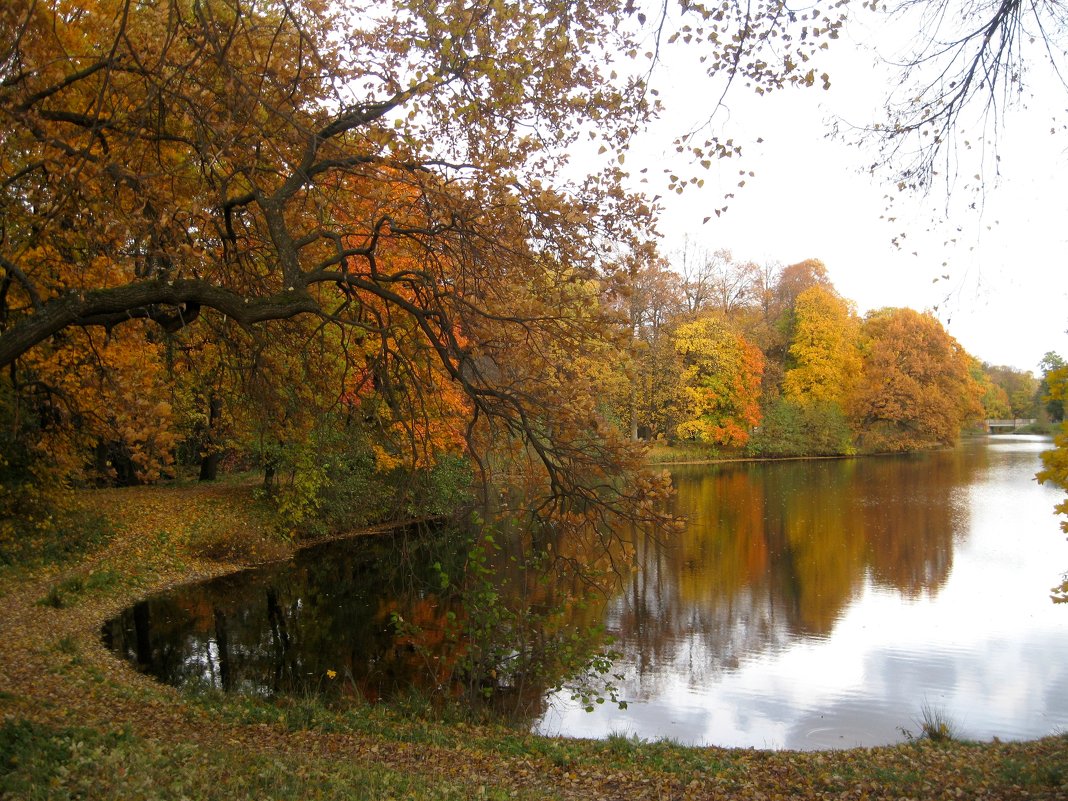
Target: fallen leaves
{"x":67,"y":692}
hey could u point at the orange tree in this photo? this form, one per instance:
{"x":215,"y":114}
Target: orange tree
{"x":172,"y":162}
{"x":916,"y":389}
{"x":376,"y":184}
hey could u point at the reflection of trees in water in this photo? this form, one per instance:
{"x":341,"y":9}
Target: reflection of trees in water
{"x":777,"y":551}
{"x":280,"y":628}
{"x":374,"y":612}
{"x":917,"y":508}
{"x":661,"y":632}
{"x":772,"y":552}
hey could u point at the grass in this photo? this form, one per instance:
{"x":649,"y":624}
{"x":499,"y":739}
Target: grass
{"x":76,"y":723}
{"x":936,"y":725}
{"x":65,"y":593}
{"x":681,"y":452}
{"x":39,"y":762}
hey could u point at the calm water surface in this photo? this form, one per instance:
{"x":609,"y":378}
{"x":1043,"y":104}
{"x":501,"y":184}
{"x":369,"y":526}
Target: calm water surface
{"x":822,"y":604}
{"x":806,"y":605}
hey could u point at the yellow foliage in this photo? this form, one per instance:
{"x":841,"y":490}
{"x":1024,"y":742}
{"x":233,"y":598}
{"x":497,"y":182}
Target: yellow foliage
{"x":824,"y":350}
{"x":720,"y":383}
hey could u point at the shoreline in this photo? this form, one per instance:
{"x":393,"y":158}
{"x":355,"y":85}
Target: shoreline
{"x":60,"y":687}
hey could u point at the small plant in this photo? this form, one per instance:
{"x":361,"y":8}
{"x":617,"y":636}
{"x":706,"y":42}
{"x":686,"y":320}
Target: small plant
{"x":53,"y":598}
{"x":622,"y":744}
{"x":935,"y":725}
{"x":102,"y":580}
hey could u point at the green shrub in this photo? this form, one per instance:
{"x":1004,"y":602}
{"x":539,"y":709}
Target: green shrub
{"x":793,"y":429}
{"x":333,"y":483}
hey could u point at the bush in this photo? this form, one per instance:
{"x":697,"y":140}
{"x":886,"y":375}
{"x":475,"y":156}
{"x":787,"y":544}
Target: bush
{"x":794,"y":429}
{"x":337,"y":484}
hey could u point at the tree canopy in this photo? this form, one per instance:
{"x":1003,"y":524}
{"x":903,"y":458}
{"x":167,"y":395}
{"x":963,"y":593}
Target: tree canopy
{"x":916,"y":388}
{"x":386,"y":180}
{"x":252,"y":218}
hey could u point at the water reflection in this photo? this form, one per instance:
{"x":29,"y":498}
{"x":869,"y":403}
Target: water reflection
{"x":379,"y":617}
{"x":819,"y":604}
{"x":279,"y":628}
{"x":775,"y":552}
{"x":806,"y":604}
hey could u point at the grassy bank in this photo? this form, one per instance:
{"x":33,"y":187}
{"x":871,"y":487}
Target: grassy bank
{"x":687,"y":453}
{"x":78,"y":723}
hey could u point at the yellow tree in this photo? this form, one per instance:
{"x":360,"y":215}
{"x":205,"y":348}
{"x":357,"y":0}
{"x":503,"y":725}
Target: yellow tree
{"x":916,"y":389}
{"x":994,"y":398}
{"x":719,"y":401}
{"x":824,"y":352}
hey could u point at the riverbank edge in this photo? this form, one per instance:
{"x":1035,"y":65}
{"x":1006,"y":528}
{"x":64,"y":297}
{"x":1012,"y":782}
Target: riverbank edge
{"x":656,"y":453}
{"x":77,"y":721}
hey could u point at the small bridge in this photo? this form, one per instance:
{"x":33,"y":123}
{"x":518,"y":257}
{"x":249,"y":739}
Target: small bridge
{"x":1007,"y":426}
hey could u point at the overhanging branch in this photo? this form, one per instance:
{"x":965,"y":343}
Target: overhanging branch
{"x":172,"y":304}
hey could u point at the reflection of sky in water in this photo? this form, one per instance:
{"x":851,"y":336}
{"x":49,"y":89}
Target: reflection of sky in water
{"x":989,"y":649}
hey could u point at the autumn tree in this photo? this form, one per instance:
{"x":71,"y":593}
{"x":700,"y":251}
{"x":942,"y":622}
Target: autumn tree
{"x":994,"y":399}
{"x":773,"y":331}
{"x":647,"y":297}
{"x":1054,"y":375}
{"x":824,"y":359}
{"x":1055,"y":461}
{"x":1020,"y":386}
{"x":720,"y":392}
{"x":348,"y":176}
{"x":915,"y":390}
{"x":823,"y":368}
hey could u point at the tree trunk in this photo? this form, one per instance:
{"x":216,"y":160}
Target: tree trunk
{"x":633,"y":411}
{"x":210,"y":454}
{"x":268,"y":477}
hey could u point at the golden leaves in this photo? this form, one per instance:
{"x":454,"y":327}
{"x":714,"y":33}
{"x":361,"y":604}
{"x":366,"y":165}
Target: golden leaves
{"x":825,"y":349}
{"x":720,"y":383}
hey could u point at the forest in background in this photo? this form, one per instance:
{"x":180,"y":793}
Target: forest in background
{"x":728,"y":356}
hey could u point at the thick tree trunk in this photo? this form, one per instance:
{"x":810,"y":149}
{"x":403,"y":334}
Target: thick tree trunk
{"x":268,"y":478}
{"x":210,"y":453}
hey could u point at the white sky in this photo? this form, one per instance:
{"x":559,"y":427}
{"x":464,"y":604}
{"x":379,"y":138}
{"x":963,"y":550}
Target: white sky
{"x":1006,"y":299}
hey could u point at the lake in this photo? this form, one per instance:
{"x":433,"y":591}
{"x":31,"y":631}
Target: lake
{"x":807,"y":604}
{"x":822,"y":604}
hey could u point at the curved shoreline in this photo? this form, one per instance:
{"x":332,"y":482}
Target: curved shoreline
{"x":59,"y":686}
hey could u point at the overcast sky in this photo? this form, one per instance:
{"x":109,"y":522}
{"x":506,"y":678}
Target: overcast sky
{"x":1006,"y":297}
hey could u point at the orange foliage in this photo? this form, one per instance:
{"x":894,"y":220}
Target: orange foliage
{"x":916,"y":389}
